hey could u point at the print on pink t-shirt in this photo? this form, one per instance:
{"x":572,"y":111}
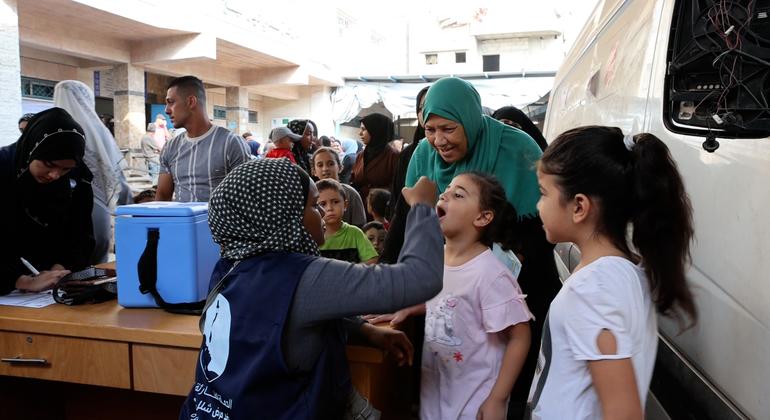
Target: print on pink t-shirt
{"x":462,"y":354}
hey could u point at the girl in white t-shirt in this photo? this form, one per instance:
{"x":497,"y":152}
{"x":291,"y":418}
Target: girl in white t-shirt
{"x":477,"y":329}
{"x":600,"y":338}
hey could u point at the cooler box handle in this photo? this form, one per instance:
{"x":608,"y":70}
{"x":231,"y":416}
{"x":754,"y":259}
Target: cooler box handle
{"x":147,"y":270}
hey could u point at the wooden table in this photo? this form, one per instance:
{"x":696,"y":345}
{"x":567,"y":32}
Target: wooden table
{"x":136,"y":350}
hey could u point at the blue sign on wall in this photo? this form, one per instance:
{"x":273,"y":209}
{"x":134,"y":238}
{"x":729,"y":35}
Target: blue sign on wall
{"x":97,"y":83}
{"x":156,"y":109}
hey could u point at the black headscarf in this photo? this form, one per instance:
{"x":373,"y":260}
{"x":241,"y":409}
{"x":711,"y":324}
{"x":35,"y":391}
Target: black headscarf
{"x":300,"y":154}
{"x":514,"y":114}
{"x":419,"y":132}
{"x":259,"y":208}
{"x":380,"y":128}
{"x":50,"y":135}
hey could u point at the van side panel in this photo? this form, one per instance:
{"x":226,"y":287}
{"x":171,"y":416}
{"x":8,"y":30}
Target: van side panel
{"x":609,"y":84}
{"x":729,"y":192}
{"x":731,"y":254}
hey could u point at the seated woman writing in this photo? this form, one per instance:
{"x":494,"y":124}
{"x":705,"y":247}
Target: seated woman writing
{"x":47,"y":218}
{"x":274,"y":335}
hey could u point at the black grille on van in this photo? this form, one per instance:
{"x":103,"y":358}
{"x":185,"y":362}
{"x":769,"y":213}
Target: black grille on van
{"x":719,"y":68}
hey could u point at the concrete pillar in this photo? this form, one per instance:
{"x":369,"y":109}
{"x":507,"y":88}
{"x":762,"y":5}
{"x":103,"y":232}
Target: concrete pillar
{"x":237,"y":101}
{"x":321,"y":109}
{"x":10,"y":72}
{"x":130,"y":122}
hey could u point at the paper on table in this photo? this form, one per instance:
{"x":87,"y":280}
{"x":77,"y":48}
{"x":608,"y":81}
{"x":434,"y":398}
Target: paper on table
{"x":27,"y":300}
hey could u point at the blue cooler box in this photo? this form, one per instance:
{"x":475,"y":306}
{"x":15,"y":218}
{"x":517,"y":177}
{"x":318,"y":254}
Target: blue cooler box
{"x":186,"y":252}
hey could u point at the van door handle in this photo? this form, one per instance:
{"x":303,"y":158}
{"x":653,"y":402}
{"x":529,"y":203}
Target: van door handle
{"x":24,"y":361}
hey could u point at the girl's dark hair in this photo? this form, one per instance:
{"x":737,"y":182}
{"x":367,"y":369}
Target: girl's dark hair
{"x":503,"y":228}
{"x":328,"y":150}
{"x":379,"y":199}
{"x":641,"y":187}
{"x":325,"y":141}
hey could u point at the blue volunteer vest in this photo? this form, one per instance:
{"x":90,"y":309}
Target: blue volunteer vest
{"x":241,"y":372}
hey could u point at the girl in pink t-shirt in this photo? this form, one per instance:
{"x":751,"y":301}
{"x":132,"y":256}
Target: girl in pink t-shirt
{"x":477,"y":329}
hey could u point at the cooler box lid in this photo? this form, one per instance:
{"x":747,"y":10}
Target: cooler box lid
{"x":163,"y":209}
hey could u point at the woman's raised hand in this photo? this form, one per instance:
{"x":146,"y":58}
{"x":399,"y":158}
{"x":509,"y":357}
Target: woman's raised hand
{"x":423,"y":192}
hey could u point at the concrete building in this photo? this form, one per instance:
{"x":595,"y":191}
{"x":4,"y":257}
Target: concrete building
{"x":266,"y":63}
{"x":477,"y":40}
{"x":514,"y":36}
{"x":253,"y":64}
{"x":510,"y":51}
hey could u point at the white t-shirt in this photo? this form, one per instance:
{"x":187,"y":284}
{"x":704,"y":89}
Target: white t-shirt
{"x":463,"y":353}
{"x":610,"y":293}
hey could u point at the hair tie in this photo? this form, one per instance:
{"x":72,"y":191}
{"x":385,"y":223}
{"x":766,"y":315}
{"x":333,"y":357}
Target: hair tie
{"x":629,"y":141}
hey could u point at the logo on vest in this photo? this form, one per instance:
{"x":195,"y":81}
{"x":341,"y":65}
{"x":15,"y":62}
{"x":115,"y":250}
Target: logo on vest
{"x":216,"y":334}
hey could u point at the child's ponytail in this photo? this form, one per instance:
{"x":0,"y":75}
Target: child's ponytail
{"x":662,"y":221}
{"x":502,"y":229}
{"x":636,"y":181}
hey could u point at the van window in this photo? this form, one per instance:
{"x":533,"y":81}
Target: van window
{"x":718,"y":75}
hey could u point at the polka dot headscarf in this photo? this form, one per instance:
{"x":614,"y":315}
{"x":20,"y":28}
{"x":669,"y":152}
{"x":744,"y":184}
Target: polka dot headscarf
{"x":297,"y":126}
{"x":259,"y":208}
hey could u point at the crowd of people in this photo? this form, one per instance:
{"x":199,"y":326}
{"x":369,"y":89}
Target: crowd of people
{"x":324,"y":240}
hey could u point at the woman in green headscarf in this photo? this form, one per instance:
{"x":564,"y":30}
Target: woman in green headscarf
{"x":461,"y":139}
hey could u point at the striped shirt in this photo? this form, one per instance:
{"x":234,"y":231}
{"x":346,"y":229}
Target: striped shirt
{"x":198,"y":164}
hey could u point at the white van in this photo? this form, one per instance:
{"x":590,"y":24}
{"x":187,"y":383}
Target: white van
{"x":696,"y":73}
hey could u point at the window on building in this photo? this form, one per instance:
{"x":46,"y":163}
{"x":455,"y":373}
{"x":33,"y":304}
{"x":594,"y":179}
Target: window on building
{"x":491,"y":62}
{"x":431,"y":59}
{"x":220,"y":112}
{"x":459,"y":57}
{"x":36,"y":88}
{"x":253,"y":117}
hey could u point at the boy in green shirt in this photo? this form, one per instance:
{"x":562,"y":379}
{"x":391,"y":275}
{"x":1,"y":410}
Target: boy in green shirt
{"x":343,"y":241}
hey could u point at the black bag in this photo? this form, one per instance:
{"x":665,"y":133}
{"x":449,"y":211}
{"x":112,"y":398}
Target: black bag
{"x":92,"y":285}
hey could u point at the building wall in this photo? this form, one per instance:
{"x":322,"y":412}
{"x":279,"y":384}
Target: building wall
{"x":216,"y":97}
{"x":256,"y":129}
{"x":10,"y":86}
{"x":86,"y":76}
{"x":39,"y":69}
{"x":347,"y":132}
{"x":156,"y":86}
{"x":519,"y":35}
{"x":314,"y":103}
{"x":538,"y":53}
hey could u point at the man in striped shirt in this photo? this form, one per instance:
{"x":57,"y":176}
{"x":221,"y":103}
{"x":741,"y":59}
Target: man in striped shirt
{"x":193,"y":163}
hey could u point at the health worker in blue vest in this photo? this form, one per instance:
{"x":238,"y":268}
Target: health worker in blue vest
{"x":275,"y":323}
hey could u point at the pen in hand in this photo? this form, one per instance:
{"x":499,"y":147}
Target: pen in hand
{"x":30,"y":267}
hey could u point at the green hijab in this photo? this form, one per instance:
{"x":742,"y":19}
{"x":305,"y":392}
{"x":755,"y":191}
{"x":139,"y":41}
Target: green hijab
{"x":493,"y":147}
